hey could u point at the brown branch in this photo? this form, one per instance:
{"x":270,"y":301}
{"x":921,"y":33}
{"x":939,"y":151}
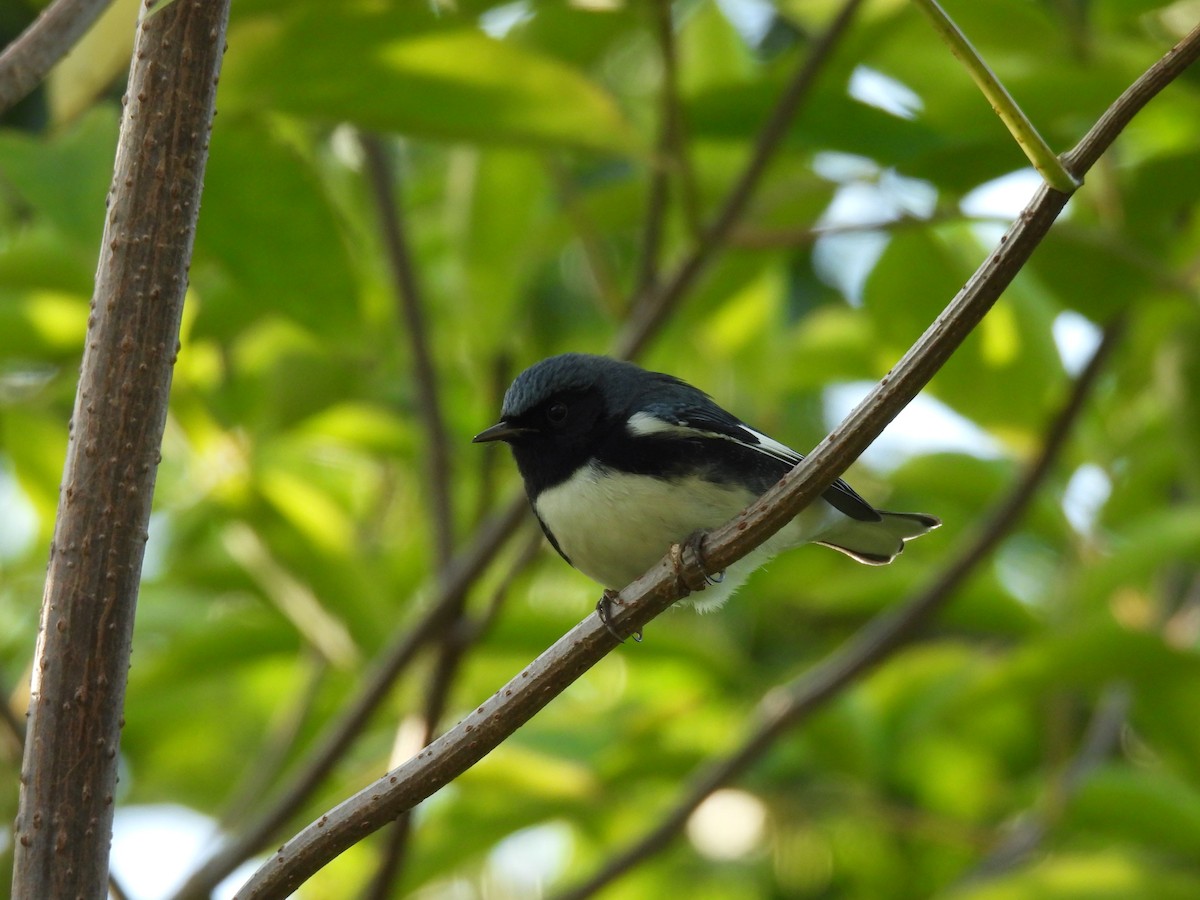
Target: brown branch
{"x":395,"y":242}
{"x":16,"y":729}
{"x":457,"y":639}
{"x":654,"y":308}
{"x":866,"y":421}
{"x":64,"y":824}
{"x":1101,"y":135}
{"x":115,"y":890}
{"x":337,"y":737}
{"x":749,"y":238}
{"x":27,"y":60}
{"x":589,"y":641}
{"x":788,"y":706}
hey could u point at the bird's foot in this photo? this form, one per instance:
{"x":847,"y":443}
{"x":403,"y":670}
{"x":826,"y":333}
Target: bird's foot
{"x":688,"y":558}
{"x":604,"y":611}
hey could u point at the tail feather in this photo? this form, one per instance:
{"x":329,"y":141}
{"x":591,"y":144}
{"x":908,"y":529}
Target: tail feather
{"x":877,"y":543}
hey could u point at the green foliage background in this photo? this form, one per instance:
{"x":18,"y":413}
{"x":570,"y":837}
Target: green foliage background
{"x":292,"y":535}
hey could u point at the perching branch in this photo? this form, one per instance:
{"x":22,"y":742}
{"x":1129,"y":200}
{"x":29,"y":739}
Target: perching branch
{"x":866,"y":421}
{"x":786,"y":707}
{"x":585,"y":644}
{"x":64,"y":826}
{"x":27,"y":60}
{"x":341,"y":734}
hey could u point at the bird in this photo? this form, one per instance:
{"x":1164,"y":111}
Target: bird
{"x":620,"y":463}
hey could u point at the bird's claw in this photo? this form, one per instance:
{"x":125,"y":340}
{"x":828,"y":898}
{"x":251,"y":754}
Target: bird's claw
{"x":688,"y":558}
{"x":604,"y":611}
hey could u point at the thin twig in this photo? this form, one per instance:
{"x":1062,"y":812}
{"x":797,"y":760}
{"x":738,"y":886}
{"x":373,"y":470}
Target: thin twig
{"x":384,"y":186}
{"x":650,"y":314}
{"x":271,"y":754}
{"x":27,"y":60}
{"x":789,"y":705}
{"x":1102,"y":736}
{"x":1018,"y":124}
{"x":660,"y":181}
{"x":457,"y":639}
{"x":751,"y":238}
{"x":589,"y":641}
{"x":1114,"y":120}
{"x":408,"y":296}
{"x":866,"y":421}
{"x":115,"y":890}
{"x":528,"y":552}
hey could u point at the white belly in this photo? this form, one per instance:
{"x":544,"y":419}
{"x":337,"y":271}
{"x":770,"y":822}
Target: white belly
{"x":615,"y":526}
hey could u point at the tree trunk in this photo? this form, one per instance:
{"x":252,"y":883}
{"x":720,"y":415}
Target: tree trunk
{"x":64,"y":824}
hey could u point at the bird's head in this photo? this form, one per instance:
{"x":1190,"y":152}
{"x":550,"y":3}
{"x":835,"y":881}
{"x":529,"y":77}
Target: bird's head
{"x":558,"y":412}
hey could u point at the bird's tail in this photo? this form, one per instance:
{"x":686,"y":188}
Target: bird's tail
{"x":877,"y":543}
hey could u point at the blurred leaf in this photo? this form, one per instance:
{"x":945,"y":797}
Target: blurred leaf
{"x":440,"y":82}
{"x":1153,"y":809}
{"x":64,"y":181}
{"x":1112,"y":875}
{"x":520,"y":136}
{"x":1005,"y":372}
{"x":295,"y":266}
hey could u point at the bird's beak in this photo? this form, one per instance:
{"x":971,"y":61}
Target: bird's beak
{"x":501,"y":431}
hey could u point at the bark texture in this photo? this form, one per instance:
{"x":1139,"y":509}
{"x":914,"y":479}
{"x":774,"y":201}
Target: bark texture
{"x":64,"y":824}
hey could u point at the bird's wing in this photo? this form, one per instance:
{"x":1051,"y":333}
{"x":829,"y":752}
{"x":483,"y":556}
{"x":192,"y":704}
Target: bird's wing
{"x":711,"y":420}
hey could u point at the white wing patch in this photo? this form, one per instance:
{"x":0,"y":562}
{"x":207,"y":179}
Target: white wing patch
{"x":772,"y":447}
{"x":644,"y":423}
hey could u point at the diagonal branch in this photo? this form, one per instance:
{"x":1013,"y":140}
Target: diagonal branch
{"x":653,"y":308}
{"x":785,"y":708}
{"x":340,"y":734}
{"x":589,"y":641}
{"x":1103,"y":735}
{"x":27,"y":60}
{"x":668,"y":142}
{"x":412,"y":312}
{"x":866,"y":421}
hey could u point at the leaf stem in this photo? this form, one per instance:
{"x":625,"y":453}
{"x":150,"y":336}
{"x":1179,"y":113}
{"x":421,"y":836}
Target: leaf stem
{"x":1049,"y":166}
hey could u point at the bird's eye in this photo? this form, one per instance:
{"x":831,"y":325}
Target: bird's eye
{"x":557,"y":413}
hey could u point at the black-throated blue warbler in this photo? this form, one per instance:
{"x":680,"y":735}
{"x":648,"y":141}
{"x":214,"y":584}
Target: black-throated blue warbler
{"x":620,"y":463}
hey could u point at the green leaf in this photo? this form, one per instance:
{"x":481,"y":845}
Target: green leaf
{"x":1153,"y":809}
{"x":1105,"y":875}
{"x":387,"y":70}
{"x":1005,"y":373}
{"x":267,"y":242}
